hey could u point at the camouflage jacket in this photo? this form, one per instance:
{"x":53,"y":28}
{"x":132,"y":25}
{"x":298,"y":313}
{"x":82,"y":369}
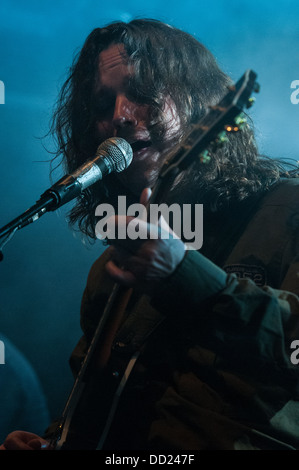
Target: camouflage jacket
{"x":217,"y":367}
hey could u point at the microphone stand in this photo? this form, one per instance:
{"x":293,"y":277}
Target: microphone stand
{"x":63,"y":191}
{"x":31,"y":215}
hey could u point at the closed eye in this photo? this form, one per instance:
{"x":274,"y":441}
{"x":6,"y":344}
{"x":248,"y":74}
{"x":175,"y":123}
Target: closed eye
{"x":103,"y":104}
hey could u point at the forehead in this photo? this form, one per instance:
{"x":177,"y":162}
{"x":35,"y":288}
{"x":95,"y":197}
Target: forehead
{"x":113,"y":66}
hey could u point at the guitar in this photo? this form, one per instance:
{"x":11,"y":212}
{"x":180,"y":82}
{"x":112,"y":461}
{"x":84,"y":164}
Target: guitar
{"x":90,"y":408}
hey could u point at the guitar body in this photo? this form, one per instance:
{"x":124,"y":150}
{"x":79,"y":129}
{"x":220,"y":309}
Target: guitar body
{"x":84,"y":427}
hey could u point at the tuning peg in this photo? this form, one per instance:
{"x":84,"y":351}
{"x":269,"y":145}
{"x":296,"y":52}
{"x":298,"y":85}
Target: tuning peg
{"x":250,"y":102}
{"x":241,"y":121}
{"x":222,"y":138}
{"x":256,"y":87}
{"x":205,"y":157}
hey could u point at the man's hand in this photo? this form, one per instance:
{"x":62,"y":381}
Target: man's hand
{"x":144,"y":263}
{"x":22,"y":440}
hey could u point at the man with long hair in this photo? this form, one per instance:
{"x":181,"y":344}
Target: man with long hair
{"x":214,"y":328}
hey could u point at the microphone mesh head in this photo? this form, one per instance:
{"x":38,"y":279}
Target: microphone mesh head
{"x":118,"y":151}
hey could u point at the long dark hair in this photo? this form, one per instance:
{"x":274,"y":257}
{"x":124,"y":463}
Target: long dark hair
{"x":167,"y":61}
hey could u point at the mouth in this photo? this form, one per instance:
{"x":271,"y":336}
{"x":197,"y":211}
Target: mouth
{"x":140,"y":145}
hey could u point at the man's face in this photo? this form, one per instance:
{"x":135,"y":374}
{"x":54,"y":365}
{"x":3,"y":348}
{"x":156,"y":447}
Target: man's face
{"x":118,"y":115}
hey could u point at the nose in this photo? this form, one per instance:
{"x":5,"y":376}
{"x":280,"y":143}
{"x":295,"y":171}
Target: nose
{"x":125,"y":113}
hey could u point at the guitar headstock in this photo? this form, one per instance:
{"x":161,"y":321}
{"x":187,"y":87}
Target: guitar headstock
{"x":224,"y":118}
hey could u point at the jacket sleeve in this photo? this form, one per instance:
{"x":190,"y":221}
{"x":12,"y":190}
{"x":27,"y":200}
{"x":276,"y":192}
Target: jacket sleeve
{"x":251,"y":327}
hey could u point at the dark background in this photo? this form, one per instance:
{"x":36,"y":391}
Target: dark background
{"x":45,"y":266}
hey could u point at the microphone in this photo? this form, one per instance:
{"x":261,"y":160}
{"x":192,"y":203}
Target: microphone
{"x":113,"y":155}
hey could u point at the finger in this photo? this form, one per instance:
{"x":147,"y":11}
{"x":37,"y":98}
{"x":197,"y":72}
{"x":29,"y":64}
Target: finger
{"x":119,"y":255}
{"x":39,"y":444}
{"x":16,"y":441}
{"x":119,"y":275}
{"x":145,"y":196}
{"x":131,"y":232}
{"x":117,"y":228}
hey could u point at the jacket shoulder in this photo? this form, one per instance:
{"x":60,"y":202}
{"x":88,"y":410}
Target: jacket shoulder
{"x":284,"y":193}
